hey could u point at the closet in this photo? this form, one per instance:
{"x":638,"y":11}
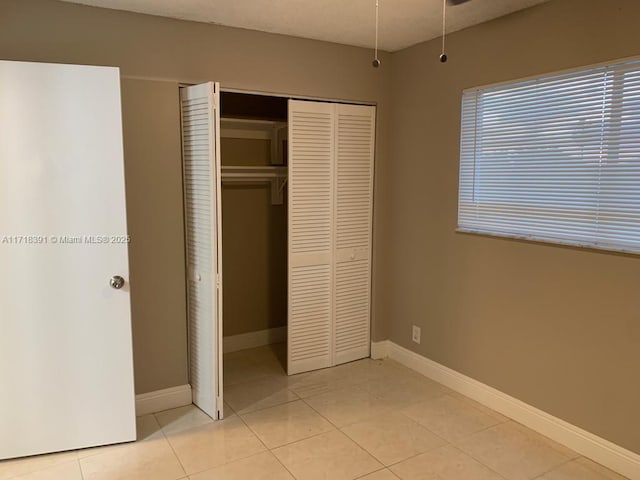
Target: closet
{"x":298,"y":176}
{"x":253,"y":138}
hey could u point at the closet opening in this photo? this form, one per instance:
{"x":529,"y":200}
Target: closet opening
{"x":278,"y":209}
{"x":253,"y":154}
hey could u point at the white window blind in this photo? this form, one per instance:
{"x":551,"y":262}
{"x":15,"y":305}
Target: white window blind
{"x":556,"y":158}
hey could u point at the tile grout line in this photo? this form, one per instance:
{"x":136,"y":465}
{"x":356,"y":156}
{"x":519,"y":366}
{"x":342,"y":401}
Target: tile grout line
{"x":337,"y":387}
{"x":288,"y":444}
{"x":294,"y":441}
{"x":224,"y":464}
{"x":554,"y":468}
{"x":267,"y":448}
{"x":469,"y":454}
{"x":259,"y":379}
{"x":480,"y":462}
{"x":446,"y":444}
{"x":383,"y":469}
{"x":216,"y":466}
{"x":37,"y":456}
{"x":321,"y":415}
{"x":600,"y":465}
{"x":337,"y":428}
{"x":471,"y":404}
{"x":548,"y":441}
{"x":591,"y":469}
{"x":166,"y":439}
{"x":357,"y":386}
{"x":80,"y":467}
{"x":261,"y":409}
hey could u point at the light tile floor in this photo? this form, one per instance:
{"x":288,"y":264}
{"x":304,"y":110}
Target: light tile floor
{"x":374,"y":420}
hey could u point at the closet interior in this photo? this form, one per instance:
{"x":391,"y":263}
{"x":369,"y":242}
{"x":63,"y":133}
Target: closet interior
{"x":253,"y":152}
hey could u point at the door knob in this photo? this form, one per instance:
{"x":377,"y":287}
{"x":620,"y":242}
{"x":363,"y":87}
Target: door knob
{"x":116,"y":282}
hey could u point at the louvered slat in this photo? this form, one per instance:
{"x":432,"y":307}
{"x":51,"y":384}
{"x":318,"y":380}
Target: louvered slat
{"x":201,"y":183}
{"x":355,"y":126}
{"x":555,"y":158}
{"x":311,"y":147}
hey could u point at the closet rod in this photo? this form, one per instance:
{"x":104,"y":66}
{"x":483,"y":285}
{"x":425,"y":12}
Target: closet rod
{"x":275,"y":176}
{"x":229,"y":171}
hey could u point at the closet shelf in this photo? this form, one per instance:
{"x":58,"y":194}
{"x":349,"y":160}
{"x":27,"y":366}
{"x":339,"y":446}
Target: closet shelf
{"x":276,"y":176}
{"x":275,"y":132}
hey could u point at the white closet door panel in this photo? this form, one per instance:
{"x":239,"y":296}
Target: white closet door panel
{"x":201,"y":170}
{"x":355,"y":133}
{"x":311,"y":152}
{"x":352,"y":305}
{"x":310,"y":307}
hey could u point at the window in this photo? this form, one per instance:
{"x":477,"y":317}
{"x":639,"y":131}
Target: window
{"x":556,"y":158}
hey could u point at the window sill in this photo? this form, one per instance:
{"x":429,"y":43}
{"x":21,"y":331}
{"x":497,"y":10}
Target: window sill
{"x":552,"y":241}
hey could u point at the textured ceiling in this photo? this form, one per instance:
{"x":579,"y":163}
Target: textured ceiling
{"x":351,"y":22}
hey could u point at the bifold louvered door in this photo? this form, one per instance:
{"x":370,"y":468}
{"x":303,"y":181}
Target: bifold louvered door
{"x":311,"y":153}
{"x":353,"y":183}
{"x":201,"y":171}
{"x":330,"y":205}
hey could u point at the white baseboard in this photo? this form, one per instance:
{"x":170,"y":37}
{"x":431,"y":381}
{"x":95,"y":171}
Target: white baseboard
{"x":254,"y":339}
{"x":380,"y":349}
{"x":585,"y":443}
{"x":160,"y":400}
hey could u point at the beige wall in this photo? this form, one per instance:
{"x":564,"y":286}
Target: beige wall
{"x":147,"y":46}
{"x":254,"y":253}
{"x":153,"y":179}
{"x":556,"y":327}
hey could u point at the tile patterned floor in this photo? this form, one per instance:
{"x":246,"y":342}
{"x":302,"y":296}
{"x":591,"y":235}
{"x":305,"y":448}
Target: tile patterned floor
{"x":373,"y":420}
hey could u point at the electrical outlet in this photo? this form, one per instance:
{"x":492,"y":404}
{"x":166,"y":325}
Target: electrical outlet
{"x":415,"y":336}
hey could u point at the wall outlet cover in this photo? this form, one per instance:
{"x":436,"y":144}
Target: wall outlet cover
{"x":415,"y":335}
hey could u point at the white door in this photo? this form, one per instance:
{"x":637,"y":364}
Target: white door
{"x":355,"y":135}
{"x":66,"y":370}
{"x":311,"y":152}
{"x":201,"y":170}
